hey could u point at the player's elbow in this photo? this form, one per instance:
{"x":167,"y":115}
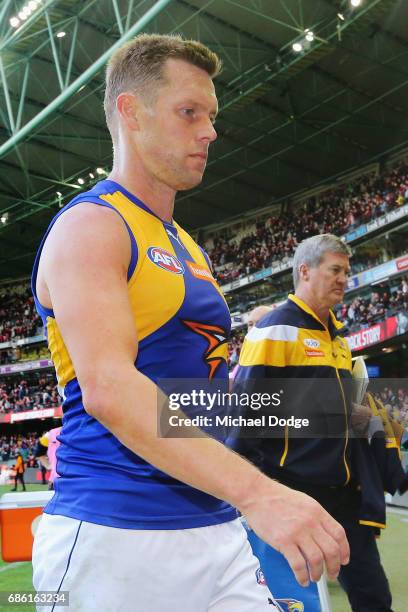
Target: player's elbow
{"x":102,"y":387}
{"x":109,"y":389}
{"x":97,"y":398}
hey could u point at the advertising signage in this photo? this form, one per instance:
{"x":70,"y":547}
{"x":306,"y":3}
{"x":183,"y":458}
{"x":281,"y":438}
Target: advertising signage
{"x":393,"y":326}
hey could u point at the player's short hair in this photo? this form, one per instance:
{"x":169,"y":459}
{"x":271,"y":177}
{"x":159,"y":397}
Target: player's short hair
{"x":312,"y":251}
{"x":138,"y":67}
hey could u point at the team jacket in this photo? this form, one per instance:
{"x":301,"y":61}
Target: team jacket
{"x":182,"y":323}
{"x":292,"y":343}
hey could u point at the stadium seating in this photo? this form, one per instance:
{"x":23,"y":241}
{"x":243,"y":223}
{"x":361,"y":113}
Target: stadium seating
{"x":336,"y":211}
{"x":20,"y":395}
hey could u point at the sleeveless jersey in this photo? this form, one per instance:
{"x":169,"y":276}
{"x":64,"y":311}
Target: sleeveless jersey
{"x":182,"y":323}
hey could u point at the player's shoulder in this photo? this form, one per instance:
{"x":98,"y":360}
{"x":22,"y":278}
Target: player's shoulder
{"x":84,"y":214}
{"x":88,"y":223}
{"x":87,"y":234}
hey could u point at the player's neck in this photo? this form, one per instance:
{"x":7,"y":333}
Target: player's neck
{"x":156,"y":195}
{"x":321,"y":311}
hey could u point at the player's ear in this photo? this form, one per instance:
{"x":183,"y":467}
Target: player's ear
{"x":126,"y":108}
{"x":304,"y":272}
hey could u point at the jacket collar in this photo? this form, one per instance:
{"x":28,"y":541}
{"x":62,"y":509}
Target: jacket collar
{"x":336,"y":325}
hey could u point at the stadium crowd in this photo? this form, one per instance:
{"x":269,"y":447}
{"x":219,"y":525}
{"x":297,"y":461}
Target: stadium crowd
{"x":18,"y":317}
{"x":234,"y":347}
{"x":24,"y":444}
{"x":362,"y":312}
{"x":23,"y":395}
{"x":24,"y":353}
{"x":395,"y":401}
{"x":337,"y":211}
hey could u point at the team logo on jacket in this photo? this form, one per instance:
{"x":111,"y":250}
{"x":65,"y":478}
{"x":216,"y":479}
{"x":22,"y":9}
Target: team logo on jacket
{"x":260,"y":577}
{"x":311,"y":343}
{"x":165,"y":260}
{"x":314,"y":353}
{"x":312,"y":348}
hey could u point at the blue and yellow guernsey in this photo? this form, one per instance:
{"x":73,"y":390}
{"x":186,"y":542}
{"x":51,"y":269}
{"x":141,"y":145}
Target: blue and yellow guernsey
{"x":182,"y":323}
{"x":292,"y":343}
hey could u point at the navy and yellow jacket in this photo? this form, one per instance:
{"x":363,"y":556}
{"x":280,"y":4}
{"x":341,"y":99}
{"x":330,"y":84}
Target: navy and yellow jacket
{"x":292,"y":343}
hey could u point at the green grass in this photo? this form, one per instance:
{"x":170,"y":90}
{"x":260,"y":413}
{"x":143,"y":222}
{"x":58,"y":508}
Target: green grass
{"x":392,"y":545}
{"x":393,"y":550}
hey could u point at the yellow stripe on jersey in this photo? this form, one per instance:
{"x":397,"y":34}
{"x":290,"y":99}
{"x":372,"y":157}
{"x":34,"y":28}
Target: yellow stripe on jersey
{"x":149,"y":310}
{"x":60,"y":356}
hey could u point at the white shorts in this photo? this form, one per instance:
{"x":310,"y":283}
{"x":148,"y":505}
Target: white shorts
{"x":106,"y":569}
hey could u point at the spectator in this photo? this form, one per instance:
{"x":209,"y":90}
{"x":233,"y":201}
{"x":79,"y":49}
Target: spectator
{"x":363,"y":312}
{"x":24,"y":395}
{"x":19,"y":472}
{"x":272,"y":240}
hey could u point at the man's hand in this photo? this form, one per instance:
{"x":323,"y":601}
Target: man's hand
{"x":297,"y":526}
{"x":360,"y":418}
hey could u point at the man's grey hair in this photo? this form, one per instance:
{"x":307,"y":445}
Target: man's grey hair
{"x":312,"y":251}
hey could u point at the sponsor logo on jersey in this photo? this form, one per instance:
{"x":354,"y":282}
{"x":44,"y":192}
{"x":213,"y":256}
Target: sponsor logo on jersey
{"x":311,"y":343}
{"x":200,"y":272}
{"x":260,"y":577}
{"x":165,"y":260}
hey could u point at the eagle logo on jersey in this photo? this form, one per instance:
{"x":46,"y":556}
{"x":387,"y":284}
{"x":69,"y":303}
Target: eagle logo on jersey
{"x":216,"y":352}
{"x":290,"y":605}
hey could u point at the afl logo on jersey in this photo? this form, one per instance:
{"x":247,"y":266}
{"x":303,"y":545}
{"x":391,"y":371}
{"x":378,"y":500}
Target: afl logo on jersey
{"x":165,"y":260}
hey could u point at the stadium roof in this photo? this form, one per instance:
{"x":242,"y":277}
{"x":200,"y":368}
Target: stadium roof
{"x":289,"y":120}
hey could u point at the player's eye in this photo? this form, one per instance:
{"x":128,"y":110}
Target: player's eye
{"x":188,"y":112}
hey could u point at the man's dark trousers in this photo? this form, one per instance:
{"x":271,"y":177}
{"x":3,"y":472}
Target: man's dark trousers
{"x":363,"y":579}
